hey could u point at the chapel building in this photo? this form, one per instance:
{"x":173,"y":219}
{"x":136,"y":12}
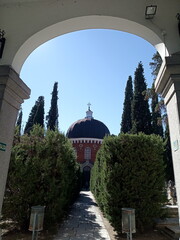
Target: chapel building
{"x":86,"y":136}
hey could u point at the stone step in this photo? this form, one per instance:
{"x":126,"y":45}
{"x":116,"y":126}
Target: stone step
{"x":162,"y":223}
{"x":171,"y":211}
{"x":172,"y":232}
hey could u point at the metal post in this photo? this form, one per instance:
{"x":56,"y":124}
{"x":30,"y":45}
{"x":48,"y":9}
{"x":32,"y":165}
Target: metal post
{"x":34,"y":233}
{"x":130,"y":230}
{"x":129,"y":234}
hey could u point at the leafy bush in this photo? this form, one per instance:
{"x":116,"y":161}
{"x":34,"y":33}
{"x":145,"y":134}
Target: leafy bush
{"x":43,"y":171}
{"x":129,"y":172}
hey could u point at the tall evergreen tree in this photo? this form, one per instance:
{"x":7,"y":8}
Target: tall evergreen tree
{"x":52,"y":117}
{"x":141,"y":117}
{"x":155,"y":64}
{"x":36,"y":115}
{"x":156,"y":115}
{"x":157,"y":103}
{"x":19,"y":121}
{"x":126,"y":123}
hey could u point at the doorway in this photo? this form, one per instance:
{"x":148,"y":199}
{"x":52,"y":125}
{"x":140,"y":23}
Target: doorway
{"x":86,"y":178}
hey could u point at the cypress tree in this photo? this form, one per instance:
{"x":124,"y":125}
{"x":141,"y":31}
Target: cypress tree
{"x":155,"y":104}
{"x":19,"y":122}
{"x":156,"y":116}
{"x":36,"y":115}
{"x":141,"y":117}
{"x":52,"y":117}
{"x":126,"y":123}
{"x":155,"y":64}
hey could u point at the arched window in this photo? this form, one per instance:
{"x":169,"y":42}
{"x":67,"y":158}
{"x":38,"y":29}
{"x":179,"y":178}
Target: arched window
{"x":87,"y":153}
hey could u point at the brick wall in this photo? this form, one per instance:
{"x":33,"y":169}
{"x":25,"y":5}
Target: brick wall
{"x":80,"y":148}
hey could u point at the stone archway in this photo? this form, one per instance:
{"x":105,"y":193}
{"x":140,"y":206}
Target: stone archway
{"x":87,"y":22}
{"x":29,"y":23}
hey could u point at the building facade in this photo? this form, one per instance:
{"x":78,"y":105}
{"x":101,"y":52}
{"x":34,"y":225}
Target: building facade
{"x":86,"y":136}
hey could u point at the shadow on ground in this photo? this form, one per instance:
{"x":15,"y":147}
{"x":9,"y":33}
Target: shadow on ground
{"x":84,"y":221}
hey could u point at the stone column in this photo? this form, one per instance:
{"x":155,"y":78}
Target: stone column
{"x":168,"y":84}
{"x":12,"y":93}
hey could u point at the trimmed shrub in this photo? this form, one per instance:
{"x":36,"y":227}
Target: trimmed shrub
{"x":43,"y":171}
{"x":129,"y":172}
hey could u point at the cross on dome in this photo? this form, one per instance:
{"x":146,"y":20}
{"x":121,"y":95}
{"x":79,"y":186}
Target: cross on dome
{"x":89,"y":112}
{"x":89,"y":104}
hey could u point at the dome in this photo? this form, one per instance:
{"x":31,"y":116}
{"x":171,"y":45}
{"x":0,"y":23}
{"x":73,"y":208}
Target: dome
{"x":88,"y":127}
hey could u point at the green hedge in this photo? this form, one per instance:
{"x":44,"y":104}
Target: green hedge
{"x":43,"y":171}
{"x":129,"y":172}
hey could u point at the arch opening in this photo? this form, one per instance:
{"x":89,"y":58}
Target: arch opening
{"x":82,"y":23}
{"x":93,"y":58}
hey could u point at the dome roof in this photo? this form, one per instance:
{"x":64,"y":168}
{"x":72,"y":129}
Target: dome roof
{"x":88,"y":127}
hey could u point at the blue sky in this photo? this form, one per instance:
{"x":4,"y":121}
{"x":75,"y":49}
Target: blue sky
{"x":89,"y":66}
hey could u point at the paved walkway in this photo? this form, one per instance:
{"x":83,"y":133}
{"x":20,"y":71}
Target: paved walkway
{"x":84,"y":221}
